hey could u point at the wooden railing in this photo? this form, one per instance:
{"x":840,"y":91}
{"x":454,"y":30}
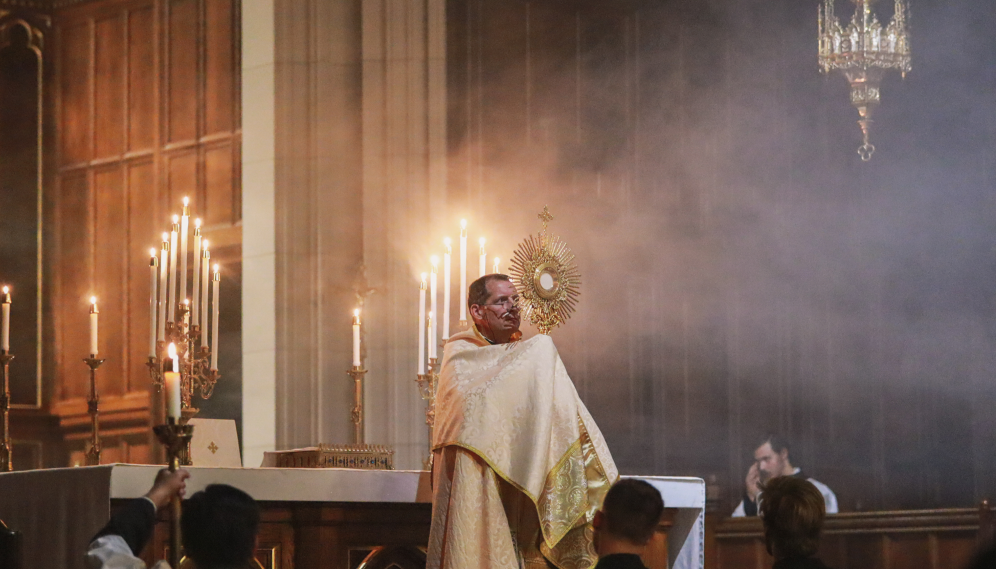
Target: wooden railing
{"x":913,"y":539}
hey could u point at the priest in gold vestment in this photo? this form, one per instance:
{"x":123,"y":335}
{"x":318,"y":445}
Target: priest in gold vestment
{"x":519,"y":466}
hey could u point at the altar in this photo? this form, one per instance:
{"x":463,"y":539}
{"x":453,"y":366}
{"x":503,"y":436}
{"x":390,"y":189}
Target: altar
{"x":329,"y":518}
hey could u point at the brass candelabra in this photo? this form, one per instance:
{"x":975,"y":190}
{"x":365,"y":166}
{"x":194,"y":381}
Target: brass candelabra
{"x":5,"y":455}
{"x":93,"y":453}
{"x":427,"y":383}
{"x":175,"y":438}
{"x":357,"y":374}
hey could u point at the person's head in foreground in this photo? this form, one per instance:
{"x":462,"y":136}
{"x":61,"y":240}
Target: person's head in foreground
{"x":219,"y":526}
{"x":792,"y":511}
{"x":493,"y":303}
{"x":629,"y":516}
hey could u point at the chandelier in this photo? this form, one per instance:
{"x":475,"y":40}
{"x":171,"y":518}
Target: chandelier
{"x":863,"y":52}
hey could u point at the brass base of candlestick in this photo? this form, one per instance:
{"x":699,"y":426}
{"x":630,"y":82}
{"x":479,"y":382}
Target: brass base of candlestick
{"x":357,"y":374}
{"x":6,"y":460}
{"x":427,"y":383}
{"x":93,"y":453}
{"x":175,"y":438}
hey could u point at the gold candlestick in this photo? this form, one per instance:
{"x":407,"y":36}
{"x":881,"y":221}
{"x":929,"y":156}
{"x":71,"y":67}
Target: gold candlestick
{"x":175,"y":437}
{"x":357,"y":374}
{"x":93,"y":453}
{"x":6,"y":464}
{"x":427,"y":389}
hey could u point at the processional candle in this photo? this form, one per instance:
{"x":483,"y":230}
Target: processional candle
{"x":195,"y":310}
{"x":205,"y":267}
{"x":5,"y":327}
{"x":93,"y":326}
{"x":462,"y":297}
{"x":421,"y":326}
{"x":153,"y":275}
{"x":184,"y":227}
{"x":172,"y":269}
{"x":484,"y":259}
{"x":163,"y":298}
{"x":171,"y":376}
{"x":432,"y":304}
{"x":214,"y":318}
{"x":356,"y":338}
{"x":446,"y":289}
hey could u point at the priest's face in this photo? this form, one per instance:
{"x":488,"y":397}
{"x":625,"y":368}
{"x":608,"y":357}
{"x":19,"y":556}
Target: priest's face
{"x":498,"y":318}
{"x":772,"y":464}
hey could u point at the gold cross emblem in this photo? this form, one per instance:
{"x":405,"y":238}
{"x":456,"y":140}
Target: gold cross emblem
{"x":213,"y":447}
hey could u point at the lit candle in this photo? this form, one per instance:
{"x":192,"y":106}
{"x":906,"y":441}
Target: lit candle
{"x":163,"y":299}
{"x":484,"y":258}
{"x":196,"y":313}
{"x":184,"y":227}
{"x":433,"y":281}
{"x":421,"y":327}
{"x":93,"y":326}
{"x":446,"y":289}
{"x":205,"y":279}
{"x":5,"y":328}
{"x":496,"y":265}
{"x":153,"y":276}
{"x":171,"y":376}
{"x":171,"y":308}
{"x":462,"y":297}
{"x":356,"y":338}
{"x":214,"y":317}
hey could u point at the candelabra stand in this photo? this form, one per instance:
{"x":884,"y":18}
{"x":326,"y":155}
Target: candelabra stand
{"x":5,"y":456}
{"x":427,"y":389}
{"x":175,"y":437}
{"x":357,"y":374}
{"x":93,"y":453}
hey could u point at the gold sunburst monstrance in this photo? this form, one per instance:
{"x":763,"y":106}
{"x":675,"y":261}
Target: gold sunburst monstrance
{"x":548,"y":280}
{"x":863,"y":52}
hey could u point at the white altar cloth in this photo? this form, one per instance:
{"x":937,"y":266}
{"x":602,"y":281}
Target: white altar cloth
{"x":59,"y":510}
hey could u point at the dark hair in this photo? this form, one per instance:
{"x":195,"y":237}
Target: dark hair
{"x":219,"y":527}
{"x":632,"y":510}
{"x":778,"y":443}
{"x":478,"y":292}
{"x":793,"y":511}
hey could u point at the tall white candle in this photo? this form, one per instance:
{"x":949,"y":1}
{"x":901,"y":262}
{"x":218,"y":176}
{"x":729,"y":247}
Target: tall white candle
{"x":214,"y":317}
{"x":153,"y":277}
{"x":171,"y":308}
{"x":196,"y":296}
{"x":5,"y":324}
{"x":93,"y":326}
{"x":421,"y":326}
{"x":446,"y":289}
{"x":205,"y":281}
{"x":433,"y":282}
{"x":462,"y":297}
{"x":430,"y":327}
{"x":356,"y":338}
{"x":171,"y":376}
{"x":163,"y":298}
{"x":184,"y":227}
{"x":497,"y":271}
{"x":484,"y":259}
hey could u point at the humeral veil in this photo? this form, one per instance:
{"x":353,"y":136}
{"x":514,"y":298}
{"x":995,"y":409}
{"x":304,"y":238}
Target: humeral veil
{"x":519,"y":465}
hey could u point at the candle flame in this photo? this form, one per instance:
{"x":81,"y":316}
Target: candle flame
{"x":176,"y":218}
{"x":197,"y":223}
{"x":463,"y":224}
{"x":165,"y":237}
{"x":152,"y":251}
{"x":186,"y":301}
{"x":172,"y":350}
{"x":6,"y":289}
{"x":204,"y":244}
{"x":434,"y":260}
{"x":217,"y":267}
{"x":447,"y":241}
{"x":423,"y":277}
{"x":356,"y":312}
{"x":186,"y":200}
{"x":93,"y":300}
{"x":481,"y":241}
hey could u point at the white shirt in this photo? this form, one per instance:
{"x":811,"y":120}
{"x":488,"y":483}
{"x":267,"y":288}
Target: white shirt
{"x":829,"y":498}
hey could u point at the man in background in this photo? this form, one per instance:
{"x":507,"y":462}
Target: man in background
{"x":626,"y":523}
{"x":771,"y":460}
{"x":793,"y":513}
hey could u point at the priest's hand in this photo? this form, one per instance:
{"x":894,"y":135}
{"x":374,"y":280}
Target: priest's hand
{"x":753,"y":482}
{"x":167,"y":485}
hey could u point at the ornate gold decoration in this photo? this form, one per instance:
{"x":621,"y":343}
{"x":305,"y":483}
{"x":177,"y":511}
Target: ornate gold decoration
{"x":427,"y":383}
{"x":548,"y":280}
{"x":367,"y":457}
{"x":863,"y":52}
{"x":356,"y":416}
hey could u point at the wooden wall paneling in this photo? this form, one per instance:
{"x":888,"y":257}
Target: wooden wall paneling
{"x":181,"y":178}
{"x":109,"y":86}
{"x":141,"y":196}
{"x":183,"y":47}
{"x":142,"y":79}
{"x":219,"y":177}
{"x":74,"y":277}
{"x":219,"y":67}
{"x":74,"y":77}
{"x":109,"y":285}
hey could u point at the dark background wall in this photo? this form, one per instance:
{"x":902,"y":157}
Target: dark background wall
{"x":744,"y":271}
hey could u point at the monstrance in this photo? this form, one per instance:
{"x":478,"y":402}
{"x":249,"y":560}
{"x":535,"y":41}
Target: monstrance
{"x":547,"y":279}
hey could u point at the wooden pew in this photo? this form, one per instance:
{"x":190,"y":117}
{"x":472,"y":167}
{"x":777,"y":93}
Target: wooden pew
{"x":913,"y":539}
